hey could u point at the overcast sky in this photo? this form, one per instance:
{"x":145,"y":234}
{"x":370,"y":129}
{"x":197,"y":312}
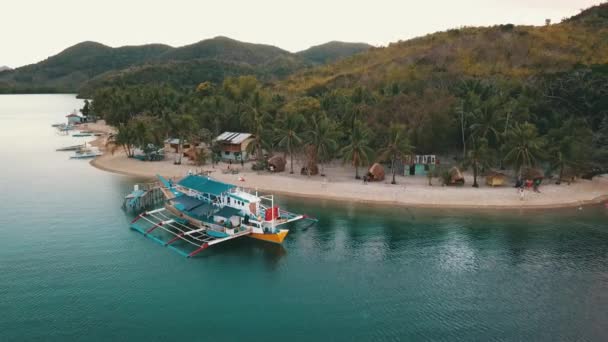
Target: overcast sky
{"x":33,"y":30}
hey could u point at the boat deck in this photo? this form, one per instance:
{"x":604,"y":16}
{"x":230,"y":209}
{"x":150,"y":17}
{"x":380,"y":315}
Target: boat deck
{"x":168,"y":230}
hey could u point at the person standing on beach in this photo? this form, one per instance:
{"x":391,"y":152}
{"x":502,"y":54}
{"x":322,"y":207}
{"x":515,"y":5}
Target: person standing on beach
{"x":521,"y":193}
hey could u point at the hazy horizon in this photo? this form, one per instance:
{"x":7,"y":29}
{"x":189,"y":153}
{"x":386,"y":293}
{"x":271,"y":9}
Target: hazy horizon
{"x":56,"y":25}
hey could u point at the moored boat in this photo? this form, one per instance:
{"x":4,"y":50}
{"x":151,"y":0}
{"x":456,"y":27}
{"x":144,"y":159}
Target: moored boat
{"x":203,"y":211}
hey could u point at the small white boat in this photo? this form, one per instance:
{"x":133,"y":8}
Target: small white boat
{"x":86,"y":153}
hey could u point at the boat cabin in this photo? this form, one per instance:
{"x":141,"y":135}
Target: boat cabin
{"x":206,"y":196}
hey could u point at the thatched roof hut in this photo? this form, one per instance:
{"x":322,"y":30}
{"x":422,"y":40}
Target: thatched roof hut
{"x":376,"y":173}
{"x":277,"y":163}
{"x":456,"y":177}
{"x":532,"y":173}
{"x":495,"y":178}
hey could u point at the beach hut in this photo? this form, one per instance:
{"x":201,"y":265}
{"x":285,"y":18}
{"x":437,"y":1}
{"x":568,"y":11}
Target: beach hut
{"x":456,"y":177}
{"x":376,"y":173}
{"x":173,"y":143}
{"x":532,"y":174}
{"x":74,"y":119}
{"x":276,"y":163}
{"x":233,"y":145}
{"x":495,"y":178}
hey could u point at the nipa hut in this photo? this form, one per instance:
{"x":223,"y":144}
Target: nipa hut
{"x":456,"y":177}
{"x":376,"y":173}
{"x":495,"y":178}
{"x":276,"y":163}
{"x":532,"y":174}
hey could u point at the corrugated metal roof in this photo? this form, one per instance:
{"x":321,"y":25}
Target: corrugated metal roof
{"x":205,"y":185}
{"x":233,"y":137}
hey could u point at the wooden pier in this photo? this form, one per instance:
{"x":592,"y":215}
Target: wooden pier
{"x":144,"y":196}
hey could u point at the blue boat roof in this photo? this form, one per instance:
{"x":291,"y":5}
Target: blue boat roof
{"x":205,"y":185}
{"x":228,"y":212}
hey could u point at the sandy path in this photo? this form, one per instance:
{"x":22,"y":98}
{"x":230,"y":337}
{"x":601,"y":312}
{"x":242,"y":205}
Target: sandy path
{"x":339,"y":184}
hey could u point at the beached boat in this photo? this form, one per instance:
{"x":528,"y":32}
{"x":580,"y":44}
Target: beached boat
{"x":71,"y":148}
{"x":202,"y":211}
{"x":86,"y":153}
{"x":58,"y":125}
{"x":80,"y":135}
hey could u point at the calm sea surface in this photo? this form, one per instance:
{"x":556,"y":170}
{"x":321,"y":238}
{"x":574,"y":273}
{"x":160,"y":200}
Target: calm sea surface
{"x":70,"y":268}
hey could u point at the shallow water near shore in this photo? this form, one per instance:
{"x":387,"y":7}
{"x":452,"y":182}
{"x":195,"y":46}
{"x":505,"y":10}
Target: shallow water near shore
{"x":70,"y":268}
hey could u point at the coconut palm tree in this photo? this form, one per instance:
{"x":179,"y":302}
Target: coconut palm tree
{"x":287,"y":134}
{"x":358,"y":151}
{"x":183,"y":127}
{"x":524,"y":146}
{"x":258,"y":122}
{"x":322,"y":137}
{"x":478,"y":156}
{"x":397,"y":147}
{"x":125,"y":137}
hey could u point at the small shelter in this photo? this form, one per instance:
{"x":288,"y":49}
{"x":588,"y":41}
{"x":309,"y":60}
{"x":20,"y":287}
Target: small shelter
{"x":495,"y":178}
{"x":532,"y":174}
{"x":173,"y":143}
{"x":456,"y":177}
{"x":376,"y":173}
{"x":233,"y":146}
{"x":74,"y":119}
{"x":276,"y":163}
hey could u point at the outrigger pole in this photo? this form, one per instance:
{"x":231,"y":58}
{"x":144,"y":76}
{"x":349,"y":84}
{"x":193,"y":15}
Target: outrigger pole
{"x":195,"y":236}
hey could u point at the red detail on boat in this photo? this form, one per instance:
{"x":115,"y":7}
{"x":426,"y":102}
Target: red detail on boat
{"x":203,"y":246}
{"x":154,"y":227}
{"x":137,"y":218}
{"x":175,"y":238}
{"x":271,"y":213}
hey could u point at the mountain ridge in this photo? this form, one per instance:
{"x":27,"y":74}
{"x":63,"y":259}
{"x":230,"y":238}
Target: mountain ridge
{"x":74,"y":67}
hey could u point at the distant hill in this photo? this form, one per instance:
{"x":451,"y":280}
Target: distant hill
{"x":332,"y":51}
{"x":506,"y":51}
{"x":4,"y":68}
{"x":88,"y":65}
{"x":68,"y":70}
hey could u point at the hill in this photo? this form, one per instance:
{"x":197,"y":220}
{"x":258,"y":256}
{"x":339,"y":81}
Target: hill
{"x":332,"y":51}
{"x":89,"y":64}
{"x":66,"y":71}
{"x":4,"y":68}
{"x":499,"y":51}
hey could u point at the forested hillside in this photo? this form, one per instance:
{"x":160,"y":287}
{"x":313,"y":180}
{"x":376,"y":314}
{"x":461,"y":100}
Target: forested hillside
{"x":85,"y":66}
{"x":332,"y":51}
{"x":492,"y":97}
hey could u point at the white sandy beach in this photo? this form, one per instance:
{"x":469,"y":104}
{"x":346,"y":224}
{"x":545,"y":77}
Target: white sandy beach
{"x":339,"y":184}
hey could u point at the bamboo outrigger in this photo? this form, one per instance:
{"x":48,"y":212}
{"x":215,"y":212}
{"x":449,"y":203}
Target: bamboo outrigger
{"x":200,"y":211}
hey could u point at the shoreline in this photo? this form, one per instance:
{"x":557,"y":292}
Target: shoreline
{"x":340,"y":186}
{"x":585,"y":192}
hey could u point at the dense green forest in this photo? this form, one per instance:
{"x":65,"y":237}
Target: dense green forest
{"x":87,"y":66}
{"x":493,"y":97}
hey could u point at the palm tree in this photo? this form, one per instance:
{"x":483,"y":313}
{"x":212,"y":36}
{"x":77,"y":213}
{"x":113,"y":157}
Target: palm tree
{"x":358,"y":151}
{"x":322,"y":138}
{"x":524,"y":147}
{"x":182,"y":126}
{"x":125,"y":137}
{"x":478,"y":156}
{"x":287,"y":132}
{"x":486,"y":121}
{"x":570,"y":146}
{"x":257,"y":120}
{"x":398,"y":146}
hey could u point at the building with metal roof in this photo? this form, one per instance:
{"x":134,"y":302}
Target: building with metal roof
{"x":233,"y":145}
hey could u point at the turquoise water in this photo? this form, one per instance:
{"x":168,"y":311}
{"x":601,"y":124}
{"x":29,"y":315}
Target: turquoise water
{"x":70,"y":269}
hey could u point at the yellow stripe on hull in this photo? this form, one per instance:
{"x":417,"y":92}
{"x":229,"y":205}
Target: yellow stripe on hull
{"x":276,"y":238}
